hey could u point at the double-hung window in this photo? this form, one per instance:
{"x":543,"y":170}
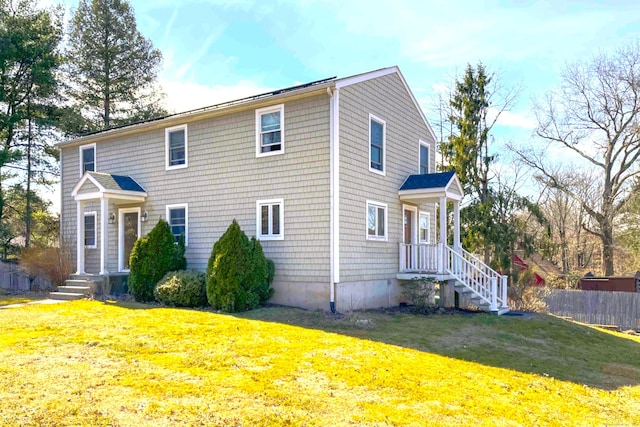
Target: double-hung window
{"x":176,"y":147}
{"x":90,"y":230}
{"x":423,"y":227}
{"x":270,"y":130}
{"x":270,"y":219}
{"x":87,"y":158}
{"x":377,"y":144}
{"x":376,"y":221}
{"x":424,"y":157}
{"x":178,"y":218}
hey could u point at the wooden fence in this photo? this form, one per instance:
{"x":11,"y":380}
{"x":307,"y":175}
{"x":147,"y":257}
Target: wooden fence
{"x":13,"y":278}
{"x":621,"y":309}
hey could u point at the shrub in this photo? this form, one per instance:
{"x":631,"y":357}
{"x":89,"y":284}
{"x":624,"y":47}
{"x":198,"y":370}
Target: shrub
{"x":53,"y":263}
{"x":184,"y":288}
{"x":238,"y":272}
{"x":151,"y":258}
{"x":421,"y":293}
{"x":524,"y":295}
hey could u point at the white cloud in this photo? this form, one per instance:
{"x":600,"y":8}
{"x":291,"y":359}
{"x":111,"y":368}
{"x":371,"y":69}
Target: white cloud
{"x":510,"y":119}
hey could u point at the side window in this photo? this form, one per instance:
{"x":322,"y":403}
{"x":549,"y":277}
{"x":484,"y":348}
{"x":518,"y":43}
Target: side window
{"x":178,"y":219}
{"x":90,"y":230}
{"x":424,"y":158}
{"x":270,"y":219}
{"x":87,"y":158}
{"x":176,"y":147}
{"x":424,"y":230}
{"x":270,"y":130}
{"x":377,"y":144}
{"x":376,"y":221}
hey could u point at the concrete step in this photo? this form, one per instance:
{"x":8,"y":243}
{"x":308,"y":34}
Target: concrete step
{"x":66,"y":296}
{"x":75,"y":289}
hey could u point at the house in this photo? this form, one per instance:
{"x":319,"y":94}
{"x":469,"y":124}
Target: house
{"x":335,"y":177}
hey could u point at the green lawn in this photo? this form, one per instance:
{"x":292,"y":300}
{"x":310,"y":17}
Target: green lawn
{"x":93,"y":363}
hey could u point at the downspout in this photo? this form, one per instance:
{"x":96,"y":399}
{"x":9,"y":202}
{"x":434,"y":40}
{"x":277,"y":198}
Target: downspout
{"x":334,"y":193}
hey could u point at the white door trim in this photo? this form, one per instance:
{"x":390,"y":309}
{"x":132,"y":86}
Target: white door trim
{"x":414,"y":221}
{"x":121,"y":213}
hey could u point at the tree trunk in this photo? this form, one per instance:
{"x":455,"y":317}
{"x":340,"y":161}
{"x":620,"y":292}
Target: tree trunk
{"x":27,"y":219}
{"x":607,"y":249}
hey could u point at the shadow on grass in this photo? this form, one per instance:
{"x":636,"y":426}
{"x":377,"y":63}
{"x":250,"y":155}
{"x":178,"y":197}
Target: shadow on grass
{"x":541,"y":344}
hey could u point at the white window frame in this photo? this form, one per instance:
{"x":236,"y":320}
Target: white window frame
{"x":168,"y":131}
{"x":270,"y":236}
{"x":382,"y":172}
{"x":259,"y":113}
{"x":428,"y":216}
{"x":420,"y":145}
{"x":81,"y":150}
{"x":94,"y":214}
{"x":168,"y":208}
{"x":386,"y":221}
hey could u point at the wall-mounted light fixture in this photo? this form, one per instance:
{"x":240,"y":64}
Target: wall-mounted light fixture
{"x":145,"y":216}
{"x":112,"y":218}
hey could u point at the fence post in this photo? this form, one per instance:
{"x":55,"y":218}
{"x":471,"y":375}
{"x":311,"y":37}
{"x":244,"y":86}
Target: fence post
{"x":505,"y":302}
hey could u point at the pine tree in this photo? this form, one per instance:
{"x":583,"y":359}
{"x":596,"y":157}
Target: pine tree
{"x":114,"y":68}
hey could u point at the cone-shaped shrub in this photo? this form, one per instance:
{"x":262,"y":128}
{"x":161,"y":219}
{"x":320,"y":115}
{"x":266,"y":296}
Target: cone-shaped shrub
{"x":153,"y":256}
{"x":237,"y":272}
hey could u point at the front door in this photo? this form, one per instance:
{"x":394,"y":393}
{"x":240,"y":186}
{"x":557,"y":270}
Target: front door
{"x":411,"y":252}
{"x":128,"y":233}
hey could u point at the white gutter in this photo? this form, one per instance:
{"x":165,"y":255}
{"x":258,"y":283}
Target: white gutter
{"x":334,"y":182}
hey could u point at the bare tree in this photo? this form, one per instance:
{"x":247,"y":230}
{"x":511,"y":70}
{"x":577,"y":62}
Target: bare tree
{"x":595,"y":115}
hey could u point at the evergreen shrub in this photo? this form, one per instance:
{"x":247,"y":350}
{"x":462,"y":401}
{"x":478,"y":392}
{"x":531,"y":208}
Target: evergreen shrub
{"x":183,"y":288}
{"x":153,"y":256}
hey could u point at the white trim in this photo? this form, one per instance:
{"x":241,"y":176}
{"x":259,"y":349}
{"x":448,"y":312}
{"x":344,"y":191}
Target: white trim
{"x":382,"y":172}
{"x":121,"y":213}
{"x":79,"y":238}
{"x":414,"y":227}
{"x":422,"y":143}
{"x":269,"y":202}
{"x":167,"y":131}
{"x":386,"y":221}
{"x":335,"y":189}
{"x":259,"y":113}
{"x":104,"y":235}
{"x":428,"y":216}
{"x":81,"y":148}
{"x":186,"y":218}
{"x":359,"y":78}
{"x":102,"y":190}
{"x":95,"y":230}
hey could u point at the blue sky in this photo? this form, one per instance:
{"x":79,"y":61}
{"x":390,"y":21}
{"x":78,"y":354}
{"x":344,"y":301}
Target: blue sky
{"x":217,"y":50}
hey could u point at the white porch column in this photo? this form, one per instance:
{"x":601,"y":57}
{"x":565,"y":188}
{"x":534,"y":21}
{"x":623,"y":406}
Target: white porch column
{"x":104,"y":234}
{"x":456,"y":226}
{"x":443,"y":233}
{"x":80,"y":238}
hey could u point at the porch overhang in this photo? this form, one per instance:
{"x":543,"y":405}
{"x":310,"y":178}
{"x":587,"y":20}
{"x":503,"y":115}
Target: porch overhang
{"x":430,"y":188}
{"x":117,"y":188}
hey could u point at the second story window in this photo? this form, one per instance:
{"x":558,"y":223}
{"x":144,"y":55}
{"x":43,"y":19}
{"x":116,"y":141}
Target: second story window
{"x":176,"y":147}
{"x":424,"y":158}
{"x":270,"y":130}
{"x":377,"y":144}
{"x":87,"y":158}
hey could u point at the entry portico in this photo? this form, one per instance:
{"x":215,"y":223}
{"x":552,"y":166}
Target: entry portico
{"x":106,"y":189}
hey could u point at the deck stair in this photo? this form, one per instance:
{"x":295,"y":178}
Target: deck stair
{"x":78,"y":287}
{"x":470,"y":277}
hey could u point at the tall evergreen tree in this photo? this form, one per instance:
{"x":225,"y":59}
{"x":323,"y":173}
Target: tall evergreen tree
{"x":29,"y":60}
{"x":112,"y":66}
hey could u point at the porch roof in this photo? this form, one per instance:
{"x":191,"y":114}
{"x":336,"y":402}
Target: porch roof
{"x":99,"y":185}
{"x":431,"y":187}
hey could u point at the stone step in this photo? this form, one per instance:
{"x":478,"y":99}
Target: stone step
{"x":85,"y":290}
{"x":66,"y":296}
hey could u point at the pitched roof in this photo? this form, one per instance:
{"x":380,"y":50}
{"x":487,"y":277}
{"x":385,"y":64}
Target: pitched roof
{"x":116,"y":182}
{"x":429,"y":180}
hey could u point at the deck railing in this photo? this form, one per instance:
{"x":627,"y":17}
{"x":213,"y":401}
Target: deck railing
{"x":437,"y":258}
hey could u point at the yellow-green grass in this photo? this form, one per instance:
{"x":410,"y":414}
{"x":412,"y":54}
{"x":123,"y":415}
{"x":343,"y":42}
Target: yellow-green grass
{"x":93,"y":363}
{"x":9,"y":299}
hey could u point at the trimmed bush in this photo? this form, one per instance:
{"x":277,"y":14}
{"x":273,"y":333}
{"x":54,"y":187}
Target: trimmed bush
{"x":421,"y":293}
{"x":184,"y":288}
{"x":153,"y":256}
{"x":237,"y":272}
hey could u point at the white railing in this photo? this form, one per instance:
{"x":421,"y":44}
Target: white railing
{"x":484,"y":281}
{"x":422,"y":258}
